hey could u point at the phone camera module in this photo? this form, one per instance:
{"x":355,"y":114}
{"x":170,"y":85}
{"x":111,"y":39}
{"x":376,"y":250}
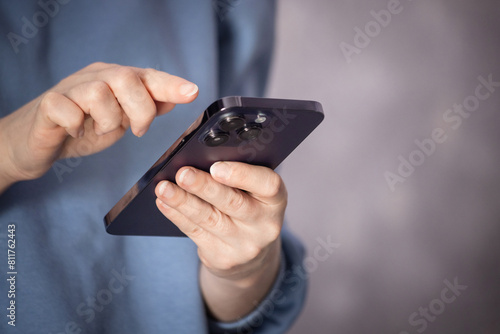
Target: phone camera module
{"x":231,"y":123}
{"x":250,"y":132}
{"x":213,"y":138}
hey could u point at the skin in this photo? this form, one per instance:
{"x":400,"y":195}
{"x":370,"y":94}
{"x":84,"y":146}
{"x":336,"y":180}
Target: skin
{"x":234,"y":214}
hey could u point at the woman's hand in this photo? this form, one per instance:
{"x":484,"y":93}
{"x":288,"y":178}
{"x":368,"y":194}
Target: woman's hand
{"x":96,"y":105}
{"x":234,"y":215}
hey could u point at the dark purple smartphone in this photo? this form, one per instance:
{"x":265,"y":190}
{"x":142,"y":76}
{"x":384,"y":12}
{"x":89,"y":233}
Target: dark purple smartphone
{"x":257,"y":131}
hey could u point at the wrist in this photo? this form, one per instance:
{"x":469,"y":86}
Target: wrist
{"x":250,"y":274}
{"x":264,"y":270}
{"x":6,"y":178}
{"x":230,"y":297}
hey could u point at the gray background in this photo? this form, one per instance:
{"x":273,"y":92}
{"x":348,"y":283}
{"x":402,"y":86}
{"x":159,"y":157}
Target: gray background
{"x":396,"y":247}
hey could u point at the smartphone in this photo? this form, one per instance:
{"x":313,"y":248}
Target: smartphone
{"x":258,"y":131}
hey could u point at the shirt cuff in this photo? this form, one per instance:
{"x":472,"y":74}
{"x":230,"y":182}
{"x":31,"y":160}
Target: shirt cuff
{"x":256,"y":317}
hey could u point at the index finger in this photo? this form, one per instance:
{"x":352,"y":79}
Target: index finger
{"x":137,"y":89}
{"x":165,"y":87}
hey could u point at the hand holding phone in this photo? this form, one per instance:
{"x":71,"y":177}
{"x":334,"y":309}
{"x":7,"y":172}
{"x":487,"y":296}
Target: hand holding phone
{"x":252,"y":130}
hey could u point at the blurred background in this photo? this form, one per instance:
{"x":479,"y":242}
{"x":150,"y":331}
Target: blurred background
{"x":403,"y":174}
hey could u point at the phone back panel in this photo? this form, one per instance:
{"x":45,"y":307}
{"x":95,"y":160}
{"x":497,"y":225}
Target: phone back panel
{"x":257,"y":131}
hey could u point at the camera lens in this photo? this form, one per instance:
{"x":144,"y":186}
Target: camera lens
{"x":213,"y":138}
{"x":250,"y":132}
{"x":232,"y":122}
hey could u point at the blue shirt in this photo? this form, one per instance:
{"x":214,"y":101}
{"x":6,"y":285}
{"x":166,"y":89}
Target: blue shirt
{"x":71,"y":276}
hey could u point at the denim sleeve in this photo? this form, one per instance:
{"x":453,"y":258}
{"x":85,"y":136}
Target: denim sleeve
{"x":279,"y":309}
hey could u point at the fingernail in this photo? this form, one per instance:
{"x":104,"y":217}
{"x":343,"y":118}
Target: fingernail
{"x":188,"y":89}
{"x":166,"y":189}
{"x":141,"y":132}
{"x":81,"y":133}
{"x":220,"y":170}
{"x":187,"y":177}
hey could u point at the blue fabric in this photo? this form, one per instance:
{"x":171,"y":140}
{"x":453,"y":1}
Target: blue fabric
{"x":72,"y":276}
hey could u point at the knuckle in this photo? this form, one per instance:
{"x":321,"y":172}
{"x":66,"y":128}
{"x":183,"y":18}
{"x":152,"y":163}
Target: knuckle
{"x":155,"y":76}
{"x":273,"y":185}
{"x":213,"y":219}
{"x":273,"y":231}
{"x":133,"y":95}
{"x":49,"y":101}
{"x":236,"y":201}
{"x":52,"y":106}
{"x":99,"y":64}
{"x":205,"y":188}
{"x":98,"y":91}
{"x":96,"y":65}
{"x":140,"y":96}
{"x":252,"y":251}
{"x":195,"y":231}
{"x":150,"y":74}
{"x":126,"y":76}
